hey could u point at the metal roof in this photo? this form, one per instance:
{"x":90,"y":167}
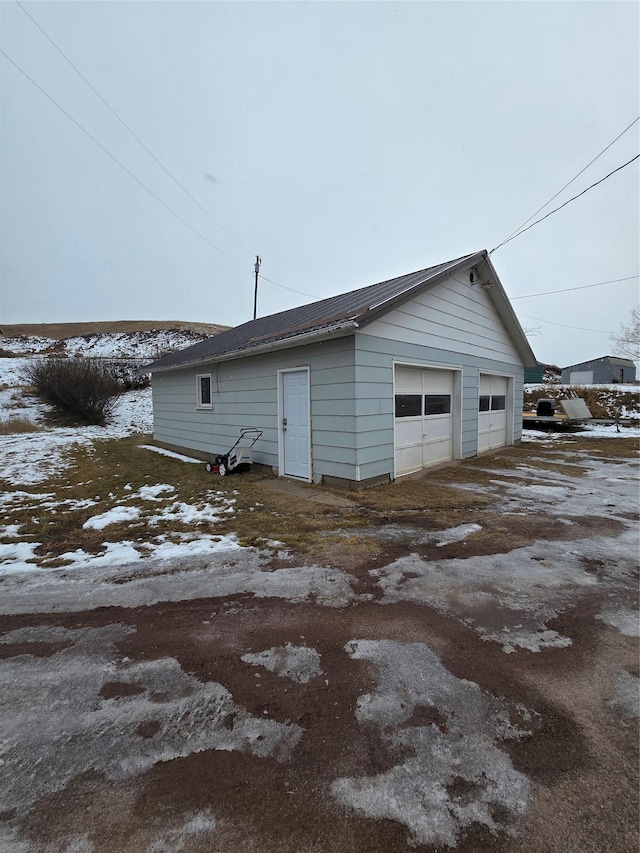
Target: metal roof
{"x":340,"y":314}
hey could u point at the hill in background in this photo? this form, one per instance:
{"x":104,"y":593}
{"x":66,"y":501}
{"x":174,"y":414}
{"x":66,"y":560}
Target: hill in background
{"x":60,"y":331}
{"x":142,"y":340}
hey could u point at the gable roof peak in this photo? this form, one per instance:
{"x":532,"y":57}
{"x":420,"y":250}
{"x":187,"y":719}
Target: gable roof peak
{"x":340,"y":314}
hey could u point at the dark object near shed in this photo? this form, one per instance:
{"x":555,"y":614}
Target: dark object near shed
{"x":546,"y":408}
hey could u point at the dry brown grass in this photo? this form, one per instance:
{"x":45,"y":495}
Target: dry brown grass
{"x":16,"y":424}
{"x":111,"y":472}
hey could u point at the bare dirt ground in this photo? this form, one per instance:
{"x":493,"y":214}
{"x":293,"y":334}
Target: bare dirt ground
{"x":408,"y":683}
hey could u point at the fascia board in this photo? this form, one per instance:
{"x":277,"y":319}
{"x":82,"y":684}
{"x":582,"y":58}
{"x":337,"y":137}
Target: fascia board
{"x":339,"y":331}
{"x":375,"y":311}
{"x":502,"y":303}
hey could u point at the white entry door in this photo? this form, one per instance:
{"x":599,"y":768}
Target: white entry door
{"x":493,"y":410}
{"x":295,"y":445}
{"x":423,"y":418}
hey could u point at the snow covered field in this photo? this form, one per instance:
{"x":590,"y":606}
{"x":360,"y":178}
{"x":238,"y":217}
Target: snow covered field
{"x":28,"y":459}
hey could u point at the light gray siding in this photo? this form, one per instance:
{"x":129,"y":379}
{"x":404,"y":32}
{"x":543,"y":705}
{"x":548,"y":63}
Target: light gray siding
{"x":245,"y":394}
{"x":375,"y":358}
{"x":452,"y":326}
{"x":453,"y":316}
{"x":603,"y":371}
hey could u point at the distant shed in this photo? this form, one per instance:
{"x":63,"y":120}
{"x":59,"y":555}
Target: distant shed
{"x":534,"y":374}
{"x":601,"y":371}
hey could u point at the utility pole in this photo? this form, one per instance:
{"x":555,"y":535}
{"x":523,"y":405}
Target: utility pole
{"x":255,"y":292}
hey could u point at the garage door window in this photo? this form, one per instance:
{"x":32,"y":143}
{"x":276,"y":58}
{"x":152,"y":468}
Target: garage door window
{"x":437,"y":404}
{"x":408,"y":405}
{"x":495,"y":403}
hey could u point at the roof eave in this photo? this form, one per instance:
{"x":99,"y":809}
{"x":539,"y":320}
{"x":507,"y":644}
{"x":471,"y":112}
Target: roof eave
{"x":335,"y":331}
{"x":373,"y":312}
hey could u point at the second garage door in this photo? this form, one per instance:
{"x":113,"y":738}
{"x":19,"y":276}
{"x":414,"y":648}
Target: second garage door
{"x":423,"y":418}
{"x":492,"y":412}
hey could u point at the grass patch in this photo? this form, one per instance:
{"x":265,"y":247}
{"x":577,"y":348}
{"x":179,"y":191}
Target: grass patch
{"x":111,"y":473}
{"x":16,"y":424}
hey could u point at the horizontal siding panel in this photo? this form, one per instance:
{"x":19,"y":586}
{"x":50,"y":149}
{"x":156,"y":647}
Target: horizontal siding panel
{"x":343,"y":391}
{"x":323,"y":451}
{"x":377,"y":468}
{"x":442,"y":338}
{"x":378,"y":438}
{"x":375,"y":406}
{"x":331,"y":468}
{"x":452,"y":316}
{"x":331,"y":407}
{"x":333,"y":423}
{"x":375,"y":453}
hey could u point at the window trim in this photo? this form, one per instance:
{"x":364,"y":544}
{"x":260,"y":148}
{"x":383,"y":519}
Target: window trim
{"x":199,"y":403}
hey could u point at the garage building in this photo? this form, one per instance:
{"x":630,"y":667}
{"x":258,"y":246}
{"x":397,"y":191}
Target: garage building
{"x":600,"y":371}
{"x":364,"y":387}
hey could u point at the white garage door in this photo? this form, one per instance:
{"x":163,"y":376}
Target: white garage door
{"x":581,"y":377}
{"x":492,"y":412}
{"x":423,"y":418}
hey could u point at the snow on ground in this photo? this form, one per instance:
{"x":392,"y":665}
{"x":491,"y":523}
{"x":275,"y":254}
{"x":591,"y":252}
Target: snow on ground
{"x":138,"y":345}
{"x":34,"y":457}
{"x":30,"y":458}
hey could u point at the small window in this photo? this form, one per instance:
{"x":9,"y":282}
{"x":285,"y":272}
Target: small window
{"x":437,"y":404}
{"x":483,"y":404}
{"x":204,"y":391}
{"x":498,"y":404}
{"x":408,"y":405}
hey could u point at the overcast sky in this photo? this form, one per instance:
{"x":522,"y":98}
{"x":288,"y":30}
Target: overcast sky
{"x":345,"y":143}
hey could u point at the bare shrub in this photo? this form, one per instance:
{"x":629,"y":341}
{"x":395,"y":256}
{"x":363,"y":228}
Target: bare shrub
{"x":126,"y":371}
{"x":83,"y":388}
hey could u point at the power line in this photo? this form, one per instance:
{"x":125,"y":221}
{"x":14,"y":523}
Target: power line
{"x":122,"y":166}
{"x":568,"y":289}
{"x":578,"y":328}
{"x":591,"y":162}
{"x":284,"y":287}
{"x":555,"y":210}
{"x":137,"y":138}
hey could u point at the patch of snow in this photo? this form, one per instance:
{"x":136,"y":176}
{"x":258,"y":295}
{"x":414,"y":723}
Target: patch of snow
{"x":73,"y":730}
{"x":171,"y":454}
{"x":31,"y":458}
{"x":625,"y":620}
{"x":455,"y":534}
{"x":150,"y":493}
{"x":300,"y":663}
{"x":174,"y":840}
{"x":190,"y":514}
{"x":627,"y":694}
{"x":188,"y":547}
{"x":115,"y":553}
{"x":456,"y":749}
{"x":16,"y":557}
{"x":509,"y":598}
{"x":113,"y":516}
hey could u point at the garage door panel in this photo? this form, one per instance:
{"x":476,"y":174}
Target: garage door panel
{"x":492,"y":412}
{"x":426,"y":439}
